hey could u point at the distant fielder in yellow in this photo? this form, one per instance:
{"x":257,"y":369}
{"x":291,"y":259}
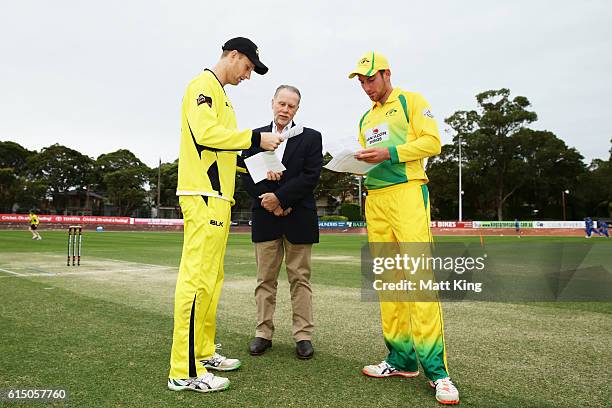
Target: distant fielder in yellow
{"x":34,"y":221}
{"x":399,"y":132}
{"x":210,"y":144}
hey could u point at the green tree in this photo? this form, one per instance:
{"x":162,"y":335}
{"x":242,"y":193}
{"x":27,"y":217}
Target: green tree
{"x":109,"y":162}
{"x":13,"y":173}
{"x":548,"y":167}
{"x":488,"y":145}
{"x":351,"y":211}
{"x":125,"y":189}
{"x":9,"y":186}
{"x":14,"y":156}
{"x":122,"y":177}
{"x":507,"y":167}
{"x":335,"y":187}
{"x":168,"y":182}
{"x":443,"y":173}
{"x":61,"y":169}
{"x":31,"y":194}
{"x":595,"y":188}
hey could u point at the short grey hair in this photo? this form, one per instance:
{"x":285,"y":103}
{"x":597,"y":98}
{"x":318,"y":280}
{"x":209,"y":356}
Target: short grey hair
{"x":289,"y":88}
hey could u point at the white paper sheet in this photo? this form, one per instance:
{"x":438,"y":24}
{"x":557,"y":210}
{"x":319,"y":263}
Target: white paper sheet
{"x":294,"y":131}
{"x":344,"y":161}
{"x":336,"y":145}
{"x":259,"y":165}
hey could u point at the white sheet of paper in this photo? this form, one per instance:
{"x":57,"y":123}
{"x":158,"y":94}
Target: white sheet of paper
{"x":336,"y":145}
{"x":294,"y":131}
{"x":344,"y":161}
{"x":259,"y":165}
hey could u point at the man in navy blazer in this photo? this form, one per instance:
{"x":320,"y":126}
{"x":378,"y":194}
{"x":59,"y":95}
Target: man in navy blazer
{"x":285,"y":224}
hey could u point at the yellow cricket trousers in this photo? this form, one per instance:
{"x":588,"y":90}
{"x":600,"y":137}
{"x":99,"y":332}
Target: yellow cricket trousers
{"x":198,"y":286}
{"x":413,"y":331}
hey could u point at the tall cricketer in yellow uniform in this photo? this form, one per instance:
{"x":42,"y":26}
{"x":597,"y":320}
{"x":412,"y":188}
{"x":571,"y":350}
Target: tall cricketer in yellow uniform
{"x":210,"y":143}
{"x":398,"y":133}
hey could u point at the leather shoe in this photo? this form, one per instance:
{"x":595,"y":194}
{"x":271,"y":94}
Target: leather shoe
{"x":259,"y":345}
{"x":304,"y":350}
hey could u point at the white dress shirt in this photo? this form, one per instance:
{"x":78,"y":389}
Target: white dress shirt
{"x":280,"y":150}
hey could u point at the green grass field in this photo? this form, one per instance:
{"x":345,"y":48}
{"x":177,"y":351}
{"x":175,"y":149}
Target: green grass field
{"x":103,"y":331}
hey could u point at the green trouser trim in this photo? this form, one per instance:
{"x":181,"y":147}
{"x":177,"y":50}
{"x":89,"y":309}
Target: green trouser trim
{"x":403,"y":356}
{"x":425,"y":192}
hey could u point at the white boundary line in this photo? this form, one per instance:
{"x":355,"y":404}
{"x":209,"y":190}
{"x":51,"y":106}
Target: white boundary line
{"x":134,"y":263}
{"x":12,"y":273}
{"x":59,"y":274}
{"x":34,"y":275}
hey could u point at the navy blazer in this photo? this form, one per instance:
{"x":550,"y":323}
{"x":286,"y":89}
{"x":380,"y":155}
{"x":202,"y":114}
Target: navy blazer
{"x":303,"y":159}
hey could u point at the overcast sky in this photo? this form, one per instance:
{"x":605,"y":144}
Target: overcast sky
{"x":101,"y":76}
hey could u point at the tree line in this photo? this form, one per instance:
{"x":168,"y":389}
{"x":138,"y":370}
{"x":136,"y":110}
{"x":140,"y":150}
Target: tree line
{"x":508,"y":171}
{"x":45,"y":178}
{"x":511,"y":171}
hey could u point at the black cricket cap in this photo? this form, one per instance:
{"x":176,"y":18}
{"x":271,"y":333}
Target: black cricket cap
{"x":248,"y":48}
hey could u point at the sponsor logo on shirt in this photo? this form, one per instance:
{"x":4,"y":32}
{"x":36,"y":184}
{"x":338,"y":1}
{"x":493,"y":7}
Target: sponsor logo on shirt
{"x":377,"y":134}
{"x":216,"y":223}
{"x":204,"y":99}
{"x":391,"y":112}
{"x":427,"y":112}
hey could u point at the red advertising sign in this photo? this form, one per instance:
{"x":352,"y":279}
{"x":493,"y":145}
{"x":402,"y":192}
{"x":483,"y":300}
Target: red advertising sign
{"x":67,"y":219}
{"x":451,"y":224}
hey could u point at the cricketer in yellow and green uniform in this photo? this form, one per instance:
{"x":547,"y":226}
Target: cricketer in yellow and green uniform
{"x":210,"y":144}
{"x":34,"y":221}
{"x":397,"y":210}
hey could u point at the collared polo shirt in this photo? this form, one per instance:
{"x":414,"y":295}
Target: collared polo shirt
{"x":410,"y":133}
{"x":210,"y":140}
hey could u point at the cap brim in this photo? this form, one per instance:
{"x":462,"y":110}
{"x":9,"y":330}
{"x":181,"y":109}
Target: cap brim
{"x":260,"y":68}
{"x":358,"y":72}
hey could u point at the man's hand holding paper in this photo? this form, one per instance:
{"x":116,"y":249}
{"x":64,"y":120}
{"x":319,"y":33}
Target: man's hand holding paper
{"x":263,"y":163}
{"x":270,"y":141}
{"x":373,"y":155}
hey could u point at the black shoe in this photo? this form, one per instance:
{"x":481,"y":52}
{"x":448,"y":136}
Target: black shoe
{"x":259,"y":345}
{"x":304,"y":349}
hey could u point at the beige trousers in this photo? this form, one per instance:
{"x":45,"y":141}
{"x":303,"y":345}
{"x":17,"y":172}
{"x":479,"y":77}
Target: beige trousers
{"x":269,"y":256}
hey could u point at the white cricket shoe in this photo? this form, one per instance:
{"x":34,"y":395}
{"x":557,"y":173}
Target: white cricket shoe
{"x":384,"y":369}
{"x":446,"y":392}
{"x":220,"y":363}
{"x":205,"y":383}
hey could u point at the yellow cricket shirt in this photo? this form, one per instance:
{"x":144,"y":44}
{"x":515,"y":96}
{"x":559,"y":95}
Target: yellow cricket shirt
{"x":210,"y":141}
{"x":405,"y":125}
{"x":34,"y":219}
